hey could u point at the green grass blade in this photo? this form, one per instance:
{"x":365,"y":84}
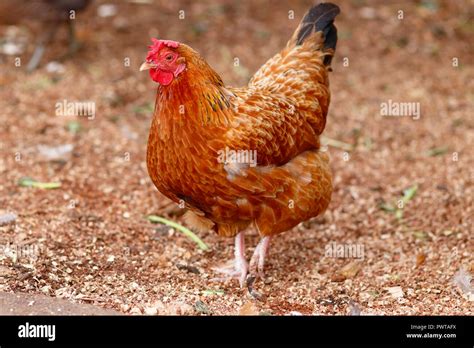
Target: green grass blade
{"x":387,"y":207}
{"x":187,"y":232}
{"x":436,"y":151}
{"x":409,"y":193}
{"x":211,"y":292}
{"x":29,"y":182}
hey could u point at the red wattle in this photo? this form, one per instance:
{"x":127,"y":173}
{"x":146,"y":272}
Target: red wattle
{"x":162,"y":77}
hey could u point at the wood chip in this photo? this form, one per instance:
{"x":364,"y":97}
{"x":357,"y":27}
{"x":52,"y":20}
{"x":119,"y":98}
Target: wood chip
{"x":395,"y":291}
{"x":5,"y":271}
{"x":135,"y":311}
{"x":354,"y":308}
{"x":151,"y":311}
{"x":7,"y":218}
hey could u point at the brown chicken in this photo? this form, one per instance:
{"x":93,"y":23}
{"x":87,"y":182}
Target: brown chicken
{"x":241,"y":156}
{"x":51,"y":13}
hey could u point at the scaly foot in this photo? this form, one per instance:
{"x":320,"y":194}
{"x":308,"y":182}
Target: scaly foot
{"x":239,"y":269}
{"x":257,"y":262}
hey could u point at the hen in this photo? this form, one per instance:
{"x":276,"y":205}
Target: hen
{"x":51,"y":13}
{"x":241,"y":156}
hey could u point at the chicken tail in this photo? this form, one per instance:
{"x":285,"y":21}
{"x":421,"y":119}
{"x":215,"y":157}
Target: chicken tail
{"x":320,"y":18}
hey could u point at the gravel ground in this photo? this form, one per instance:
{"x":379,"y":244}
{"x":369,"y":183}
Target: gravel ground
{"x":403,"y":186}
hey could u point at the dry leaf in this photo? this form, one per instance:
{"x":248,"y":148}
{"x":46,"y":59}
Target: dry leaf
{"x":173,"y":308}
{"x":337,"y":278}
{"x":249,"y":308}
{"x":351,"y":269}
{"x":420,"y":259}
{"x":463,"y":279}
{"x":201,"y":307}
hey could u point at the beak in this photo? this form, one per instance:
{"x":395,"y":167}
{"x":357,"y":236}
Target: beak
{"x":147,"y":66}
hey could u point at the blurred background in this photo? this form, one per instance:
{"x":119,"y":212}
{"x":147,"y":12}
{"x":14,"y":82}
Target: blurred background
{"x":76,"y":187}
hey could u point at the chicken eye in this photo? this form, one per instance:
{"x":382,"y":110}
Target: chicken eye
{"x":169,"y":57}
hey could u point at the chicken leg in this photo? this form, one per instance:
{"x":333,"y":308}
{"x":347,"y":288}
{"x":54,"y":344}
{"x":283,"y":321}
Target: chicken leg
{"x":257,"y":262}
{"x":74,"y":44}
{"x":41,"y":44}
{"x":46,"y":38}
{"x":240,"y":268}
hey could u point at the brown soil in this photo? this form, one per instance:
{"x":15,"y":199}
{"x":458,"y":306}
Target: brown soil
{"x":92,"y":242}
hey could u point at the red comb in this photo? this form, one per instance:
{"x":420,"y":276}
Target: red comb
{"x":158,"y":45}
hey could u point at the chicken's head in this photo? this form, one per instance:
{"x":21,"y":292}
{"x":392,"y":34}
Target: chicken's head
{"x":163,"y":61}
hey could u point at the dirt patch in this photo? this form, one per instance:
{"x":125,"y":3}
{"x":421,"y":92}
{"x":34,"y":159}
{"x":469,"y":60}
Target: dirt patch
{"x":35,"y":304}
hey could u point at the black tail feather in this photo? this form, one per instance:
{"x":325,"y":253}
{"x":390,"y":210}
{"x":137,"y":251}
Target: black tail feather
{"x":320,"y":18}
{"x":330,"y":41}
